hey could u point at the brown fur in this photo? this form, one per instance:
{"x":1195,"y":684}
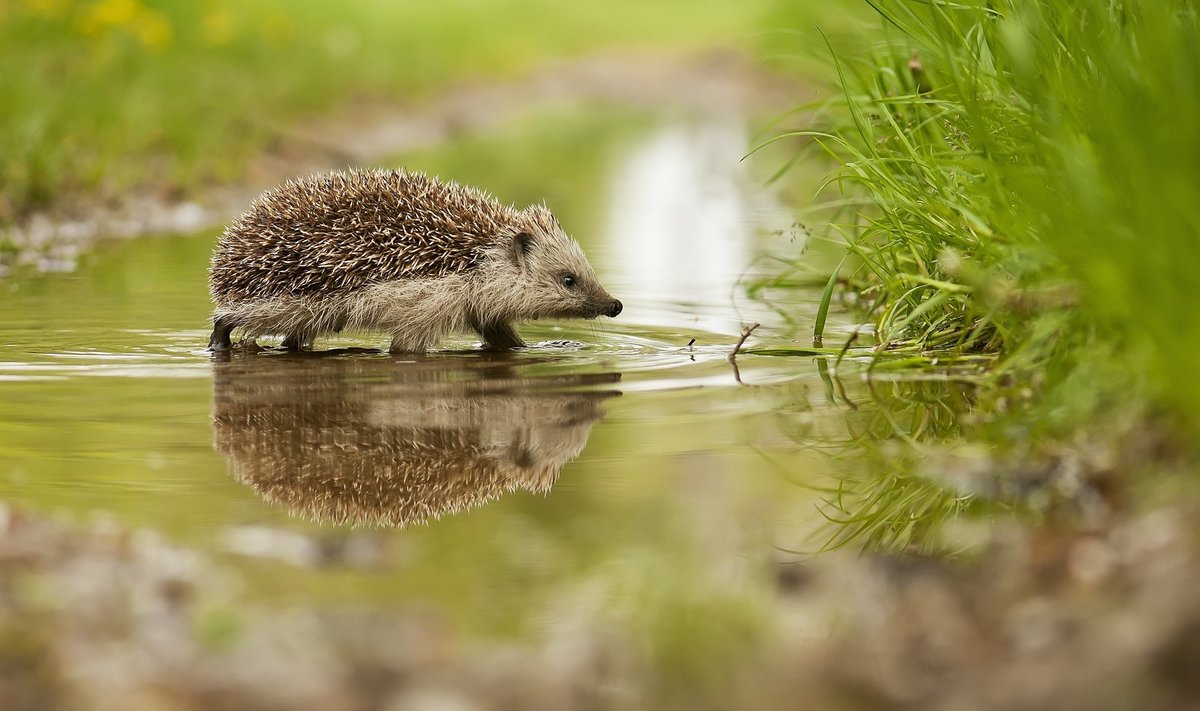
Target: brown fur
{"x":398,"y":252}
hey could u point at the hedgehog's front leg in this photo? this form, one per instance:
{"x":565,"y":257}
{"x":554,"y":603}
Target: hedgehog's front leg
{"x":499,"y":336}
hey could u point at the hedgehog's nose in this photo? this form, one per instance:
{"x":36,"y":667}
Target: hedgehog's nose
{"x":614,"y":308}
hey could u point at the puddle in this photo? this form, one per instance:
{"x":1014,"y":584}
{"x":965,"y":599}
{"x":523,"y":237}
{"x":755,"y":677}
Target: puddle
{"x":484,"y":485}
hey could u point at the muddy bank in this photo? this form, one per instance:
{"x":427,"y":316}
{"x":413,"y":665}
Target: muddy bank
{"x":100,"y":617}
{"x":367,"y":129}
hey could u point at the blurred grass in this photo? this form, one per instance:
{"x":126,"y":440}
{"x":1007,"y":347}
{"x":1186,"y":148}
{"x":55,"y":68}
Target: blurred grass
{"x":573,"y":147}
{"x":101,"y":95}
{"x":1020,"y":177}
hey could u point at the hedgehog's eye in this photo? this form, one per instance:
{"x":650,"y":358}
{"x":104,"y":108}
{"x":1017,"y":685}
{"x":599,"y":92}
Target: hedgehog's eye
{"x":568,"y":281}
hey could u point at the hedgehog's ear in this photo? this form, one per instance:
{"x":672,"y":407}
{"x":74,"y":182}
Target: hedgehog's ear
{"x":522,"y":245}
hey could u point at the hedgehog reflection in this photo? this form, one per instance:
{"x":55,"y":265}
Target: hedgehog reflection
{"x":377,"y":442}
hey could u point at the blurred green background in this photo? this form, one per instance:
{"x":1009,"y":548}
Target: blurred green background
{"x":106,"y":94}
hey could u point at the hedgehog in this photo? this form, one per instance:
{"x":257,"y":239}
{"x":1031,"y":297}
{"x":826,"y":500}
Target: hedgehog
{"x":395,"y":251}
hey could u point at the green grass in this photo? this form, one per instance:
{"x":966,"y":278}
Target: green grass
{"x":1020,"y":177}
{"x":102,"y":95}
{"x":1012,"y":203}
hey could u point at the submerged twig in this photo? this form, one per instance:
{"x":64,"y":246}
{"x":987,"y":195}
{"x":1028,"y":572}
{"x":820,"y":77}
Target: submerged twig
{"x":732,"y":357}
{"x":741,"y":341}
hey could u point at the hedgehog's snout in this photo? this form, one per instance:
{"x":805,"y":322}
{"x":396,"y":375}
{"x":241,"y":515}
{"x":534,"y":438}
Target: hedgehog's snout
{"x":604,"y":306}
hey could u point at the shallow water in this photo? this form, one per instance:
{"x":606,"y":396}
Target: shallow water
{"x":494,"y":489}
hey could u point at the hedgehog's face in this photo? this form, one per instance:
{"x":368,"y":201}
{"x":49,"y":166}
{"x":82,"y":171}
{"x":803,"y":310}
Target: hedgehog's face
{"x":558,"y":281}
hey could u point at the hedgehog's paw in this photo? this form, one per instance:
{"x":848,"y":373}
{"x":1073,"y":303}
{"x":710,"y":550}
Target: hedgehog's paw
{"x":249,"y":345}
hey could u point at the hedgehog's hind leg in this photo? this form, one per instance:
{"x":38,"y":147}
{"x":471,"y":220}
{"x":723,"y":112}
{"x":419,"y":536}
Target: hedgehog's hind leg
{"x":221,"y":340}
{"x":415,"y":339}
{"x":407,"y":342}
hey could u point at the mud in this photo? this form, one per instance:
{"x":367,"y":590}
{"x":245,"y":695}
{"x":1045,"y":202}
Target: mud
{"x":1038,"y":620}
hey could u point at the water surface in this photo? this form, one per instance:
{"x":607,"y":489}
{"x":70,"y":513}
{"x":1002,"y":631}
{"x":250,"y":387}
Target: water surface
{"x":608,"y":461}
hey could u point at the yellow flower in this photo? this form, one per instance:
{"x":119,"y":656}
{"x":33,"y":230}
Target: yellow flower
{"x":149,"y":27}
{"x":107,"y":14}
{"x":218,"y":26}
{"x":153,"y":29}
